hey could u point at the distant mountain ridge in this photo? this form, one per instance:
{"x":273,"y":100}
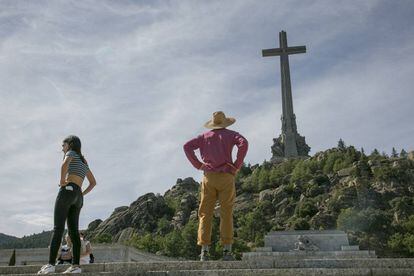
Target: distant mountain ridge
{"x":6,"y":239}
{"x":39,"y":240}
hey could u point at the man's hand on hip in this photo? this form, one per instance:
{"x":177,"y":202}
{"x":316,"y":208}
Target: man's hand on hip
{"x":233,"y":168}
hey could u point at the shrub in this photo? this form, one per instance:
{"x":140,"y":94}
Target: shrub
{"x":190,"y":248}
{"x":368,"y":220}
{"x":103,"y":238}
{"x":164,"y":226}
{"x":306,"y":209}
{"x":253,"y":225}
{"x":173,"y":244}
{"x":147,"y":242}
{"x":402,"y":244}
{"x":300,"y":224}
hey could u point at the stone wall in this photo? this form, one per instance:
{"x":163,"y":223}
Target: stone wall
{"x":102,"y":253}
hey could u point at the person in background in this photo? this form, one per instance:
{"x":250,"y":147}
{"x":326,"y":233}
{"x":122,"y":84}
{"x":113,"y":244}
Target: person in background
{"x":69,"y":202}
{"x":65,"y":255}
{"x":86,"y":250}
{"x":219,"y":170}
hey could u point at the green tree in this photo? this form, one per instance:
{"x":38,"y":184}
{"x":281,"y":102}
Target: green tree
{"x":403,"y":207}
{"x":394,"y":153}
{"x":12,"y":261}
{"x":375,"y":152}
{"x":103,"y":238}
{"x":147,"y":242}
{"x":190,"y":248}
{"x":245,"y":170}
{"x":263,"y":179}
{"x":280,"y":171}
{"x":341,"y":144}
{"x":239,"y":247}
{"x":173,"y":244}
{"x":336,"y":160}
{"x":300,"y":224}
{"x":247,"y":185}
{"x":306,"y":209}
{"x":303,"y":171}
{"x":403,"y":153}
{"x":368,"y":220}
{"x":347,"y":219}
{"x":253,"y":226}
{"x":403,"y":242}
{"x":408,"y":225}
{"x":164,"y":226}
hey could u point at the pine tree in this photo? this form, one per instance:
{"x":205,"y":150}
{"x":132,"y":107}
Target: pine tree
{"x":341,"y":144}
{"x":12,"y":261}
{"x":403,"y":153}
{"x":375,"y":152}
{"x":394,"y":153}
{"x":362,"y":151}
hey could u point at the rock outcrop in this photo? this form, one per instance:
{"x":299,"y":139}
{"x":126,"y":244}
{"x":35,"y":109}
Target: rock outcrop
{"x":183,"y":197}
{"x":142,"y":215}
{"x":278,"y":148}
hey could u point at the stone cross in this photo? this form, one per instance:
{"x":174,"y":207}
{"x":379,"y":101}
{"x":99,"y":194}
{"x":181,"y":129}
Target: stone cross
{"x":289,"y":129}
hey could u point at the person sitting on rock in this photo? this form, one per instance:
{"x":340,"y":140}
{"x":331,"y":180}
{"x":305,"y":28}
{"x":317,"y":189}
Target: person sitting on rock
{"x":219,"y":170}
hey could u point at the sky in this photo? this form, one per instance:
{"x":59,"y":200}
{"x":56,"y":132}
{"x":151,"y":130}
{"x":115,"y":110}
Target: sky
{"x":136,"y":79}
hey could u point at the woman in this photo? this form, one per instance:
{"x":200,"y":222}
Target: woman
{"x":69,"y":203}
{"x":65,"y":255}
{"x":86,"y":250}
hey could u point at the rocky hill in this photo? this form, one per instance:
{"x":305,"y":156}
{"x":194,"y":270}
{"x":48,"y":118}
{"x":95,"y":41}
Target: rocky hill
{"x":150,"y":213}
{"x":368,"y":196}
{"x":371,"y":197}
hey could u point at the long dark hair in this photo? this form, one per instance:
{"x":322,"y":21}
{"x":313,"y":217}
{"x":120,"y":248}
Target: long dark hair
{"x":75,"y":144}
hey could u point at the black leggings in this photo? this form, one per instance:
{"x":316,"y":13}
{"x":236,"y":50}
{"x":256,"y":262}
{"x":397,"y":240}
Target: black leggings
{"x":67,"y":206}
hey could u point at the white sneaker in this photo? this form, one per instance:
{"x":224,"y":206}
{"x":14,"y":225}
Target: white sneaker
{"x":73,"y":269}
{"x":46,"y":269}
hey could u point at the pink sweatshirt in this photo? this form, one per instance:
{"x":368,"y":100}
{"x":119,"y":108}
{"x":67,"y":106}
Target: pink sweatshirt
{"x":215,"y":148}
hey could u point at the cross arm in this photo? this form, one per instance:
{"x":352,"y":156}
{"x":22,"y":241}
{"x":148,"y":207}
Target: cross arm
{"x":281,"y":51}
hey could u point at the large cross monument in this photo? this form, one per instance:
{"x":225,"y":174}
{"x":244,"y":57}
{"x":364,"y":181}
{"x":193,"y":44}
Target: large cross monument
{"x":289,"y":143}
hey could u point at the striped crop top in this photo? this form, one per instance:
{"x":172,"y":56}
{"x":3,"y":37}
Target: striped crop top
{"x":76,"y":166}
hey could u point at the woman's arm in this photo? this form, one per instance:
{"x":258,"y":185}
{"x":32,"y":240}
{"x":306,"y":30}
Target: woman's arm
{"x":64,"y":170}
{"x":92,"y":182}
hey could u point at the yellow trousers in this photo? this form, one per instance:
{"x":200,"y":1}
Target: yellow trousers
{"x":216,"y":186}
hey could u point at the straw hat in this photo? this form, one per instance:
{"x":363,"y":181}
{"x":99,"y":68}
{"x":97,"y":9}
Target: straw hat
{"x":219,"y":120}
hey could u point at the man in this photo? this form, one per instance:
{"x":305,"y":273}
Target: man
{"x":218,"y":182}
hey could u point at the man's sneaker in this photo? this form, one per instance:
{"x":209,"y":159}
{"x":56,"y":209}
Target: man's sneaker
{"x":46,"y":269}
{"x":204,"y":256}
{"x":73,"y":269}
{"x":227,"y":256}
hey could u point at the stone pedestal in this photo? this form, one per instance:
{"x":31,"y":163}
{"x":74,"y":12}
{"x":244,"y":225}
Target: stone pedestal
{"x":308,"y":245}
{"x":278,"y":148}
